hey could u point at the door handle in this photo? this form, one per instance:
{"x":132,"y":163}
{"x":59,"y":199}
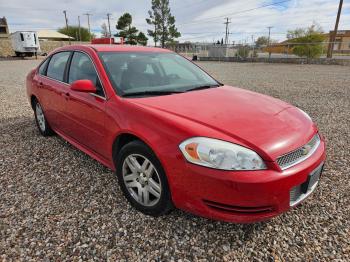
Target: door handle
{"x":41,"y":84}
{"x":67,"y":95}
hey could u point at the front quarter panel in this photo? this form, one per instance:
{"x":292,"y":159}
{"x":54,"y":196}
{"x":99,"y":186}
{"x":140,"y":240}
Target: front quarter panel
{"x":157,"y":132}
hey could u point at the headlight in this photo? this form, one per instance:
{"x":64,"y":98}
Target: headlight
{"x":219,"y":154}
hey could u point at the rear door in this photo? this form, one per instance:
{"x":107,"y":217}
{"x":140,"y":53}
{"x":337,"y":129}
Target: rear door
{"x":85,"y":111}
{"x":41,"y":88}
{"x":52,"y":89}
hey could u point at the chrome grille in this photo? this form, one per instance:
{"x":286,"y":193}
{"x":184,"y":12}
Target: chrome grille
{"x":294,"y":195}
{"x":298,"y":194}
{"x":300,"y":154}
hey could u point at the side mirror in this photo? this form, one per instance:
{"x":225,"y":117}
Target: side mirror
{"x":85,"y":86}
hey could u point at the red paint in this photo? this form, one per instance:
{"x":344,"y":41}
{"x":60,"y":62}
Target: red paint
{"x":107,"y":41}
{"x":85,"y":86}
{"x":264,"y":124}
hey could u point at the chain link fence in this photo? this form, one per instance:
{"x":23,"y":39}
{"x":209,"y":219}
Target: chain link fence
{"x":341,"y":50}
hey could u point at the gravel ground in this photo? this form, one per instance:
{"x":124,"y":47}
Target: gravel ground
{"x":56,"y":203}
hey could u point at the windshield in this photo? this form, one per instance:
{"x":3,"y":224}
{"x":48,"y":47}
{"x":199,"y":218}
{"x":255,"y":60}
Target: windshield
{"x":153,"y":73}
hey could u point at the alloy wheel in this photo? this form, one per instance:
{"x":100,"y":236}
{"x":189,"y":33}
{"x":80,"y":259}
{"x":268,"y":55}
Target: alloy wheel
{"x":142,"y":180}
{"x":40,"y":117}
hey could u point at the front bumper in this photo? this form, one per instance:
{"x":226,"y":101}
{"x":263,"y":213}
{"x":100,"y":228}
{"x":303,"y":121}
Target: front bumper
{"x":240,"y":196}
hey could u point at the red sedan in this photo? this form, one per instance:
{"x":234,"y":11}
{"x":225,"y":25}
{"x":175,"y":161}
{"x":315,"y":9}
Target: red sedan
{"x":175,"y":136}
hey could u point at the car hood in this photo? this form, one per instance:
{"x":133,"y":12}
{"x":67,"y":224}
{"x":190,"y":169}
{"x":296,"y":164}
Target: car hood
{"x":265,"y":124}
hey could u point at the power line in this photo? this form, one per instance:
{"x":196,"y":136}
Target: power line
{"x":234,"y":13}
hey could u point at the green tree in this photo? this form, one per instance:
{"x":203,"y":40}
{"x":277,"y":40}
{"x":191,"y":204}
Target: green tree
{"x":73,"y":31}
{"x":126,"y":29}
{"x":243,"y":52}
{"x":163,"y":22}
{"x":262,"y":41}
{"x":130,"y":33}
{"x":308,"y":42}
{"x":142,"y":39}
{"x":155,"y":32}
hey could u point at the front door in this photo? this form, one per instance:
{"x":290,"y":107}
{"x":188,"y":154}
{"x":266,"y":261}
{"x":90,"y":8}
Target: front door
{"x":84,"y":111}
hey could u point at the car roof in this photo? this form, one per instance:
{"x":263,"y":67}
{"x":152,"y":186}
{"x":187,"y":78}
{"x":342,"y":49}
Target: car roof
{"x":117,"y":48}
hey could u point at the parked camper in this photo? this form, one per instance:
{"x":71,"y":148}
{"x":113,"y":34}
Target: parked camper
{"x":25,"y":43}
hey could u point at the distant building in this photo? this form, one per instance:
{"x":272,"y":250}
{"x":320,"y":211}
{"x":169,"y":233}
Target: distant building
{"x":182,"y":47}
{"x":188,"y":47}
{"x":342,"y":41}
{"x":341,"y":46}
{"x":4,"y":29}
{"x":45,"y":35}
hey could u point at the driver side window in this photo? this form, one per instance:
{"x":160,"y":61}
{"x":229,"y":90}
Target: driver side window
{"x":81,"y":68}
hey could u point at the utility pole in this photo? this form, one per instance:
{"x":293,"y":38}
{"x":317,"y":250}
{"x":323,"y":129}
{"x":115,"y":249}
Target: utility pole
{"x":88,"y":17}
{"x":253,"y":43}
{"x":332,"y":36}
{"x":109,"y":25}
{"x":227,"y":30}
{"x":269,"y":40}
{"x":79,"y":28}
{"x":65,"y":18}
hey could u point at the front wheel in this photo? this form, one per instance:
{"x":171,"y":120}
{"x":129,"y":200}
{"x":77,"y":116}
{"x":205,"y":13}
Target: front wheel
{"x":142,"y":179}
{"x":41,"y":122}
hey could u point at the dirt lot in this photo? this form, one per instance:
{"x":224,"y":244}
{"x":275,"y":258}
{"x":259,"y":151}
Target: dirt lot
{"x":56,"y":203}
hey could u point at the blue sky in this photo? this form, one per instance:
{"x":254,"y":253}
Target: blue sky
{"x":197,"y":20}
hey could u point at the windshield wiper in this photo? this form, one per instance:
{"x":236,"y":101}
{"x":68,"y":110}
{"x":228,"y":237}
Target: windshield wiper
{"x":152,"y":93}
{"x":202,"y":87}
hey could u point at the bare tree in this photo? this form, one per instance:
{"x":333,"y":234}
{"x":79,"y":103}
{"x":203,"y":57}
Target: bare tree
{"x":104,"y":30}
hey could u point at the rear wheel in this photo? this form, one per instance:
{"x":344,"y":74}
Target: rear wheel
{"x":41,"y":122}
{"x":143,"y":180}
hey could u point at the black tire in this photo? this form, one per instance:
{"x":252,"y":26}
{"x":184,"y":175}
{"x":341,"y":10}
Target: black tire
{"x":42,"y":124}
{"x":164,"y":204}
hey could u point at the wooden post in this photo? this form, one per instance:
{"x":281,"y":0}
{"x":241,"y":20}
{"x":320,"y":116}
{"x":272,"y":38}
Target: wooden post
{"x":332,"y":37}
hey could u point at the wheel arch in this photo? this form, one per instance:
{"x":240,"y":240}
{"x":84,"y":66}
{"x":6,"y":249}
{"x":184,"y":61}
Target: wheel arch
{"x":33,"y":99}
{"x":121,"y":140}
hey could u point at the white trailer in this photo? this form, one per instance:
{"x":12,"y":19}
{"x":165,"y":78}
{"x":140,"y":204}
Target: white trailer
{"x":25,"y":43}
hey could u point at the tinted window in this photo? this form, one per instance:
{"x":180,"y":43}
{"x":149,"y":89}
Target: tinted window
{"x":57,"y":65}
{"x":82,"y":68}
{"x":42,"y":68}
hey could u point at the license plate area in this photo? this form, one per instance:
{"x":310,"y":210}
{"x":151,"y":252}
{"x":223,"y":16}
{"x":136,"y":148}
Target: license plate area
{"x":300,"y":192}
{"x":312,"y":180}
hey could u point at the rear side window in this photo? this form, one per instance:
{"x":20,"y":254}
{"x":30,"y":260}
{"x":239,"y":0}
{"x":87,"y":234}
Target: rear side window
{"x":57,"y":66}
{"x":42,"y":68}
{"x":82,"y":68}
